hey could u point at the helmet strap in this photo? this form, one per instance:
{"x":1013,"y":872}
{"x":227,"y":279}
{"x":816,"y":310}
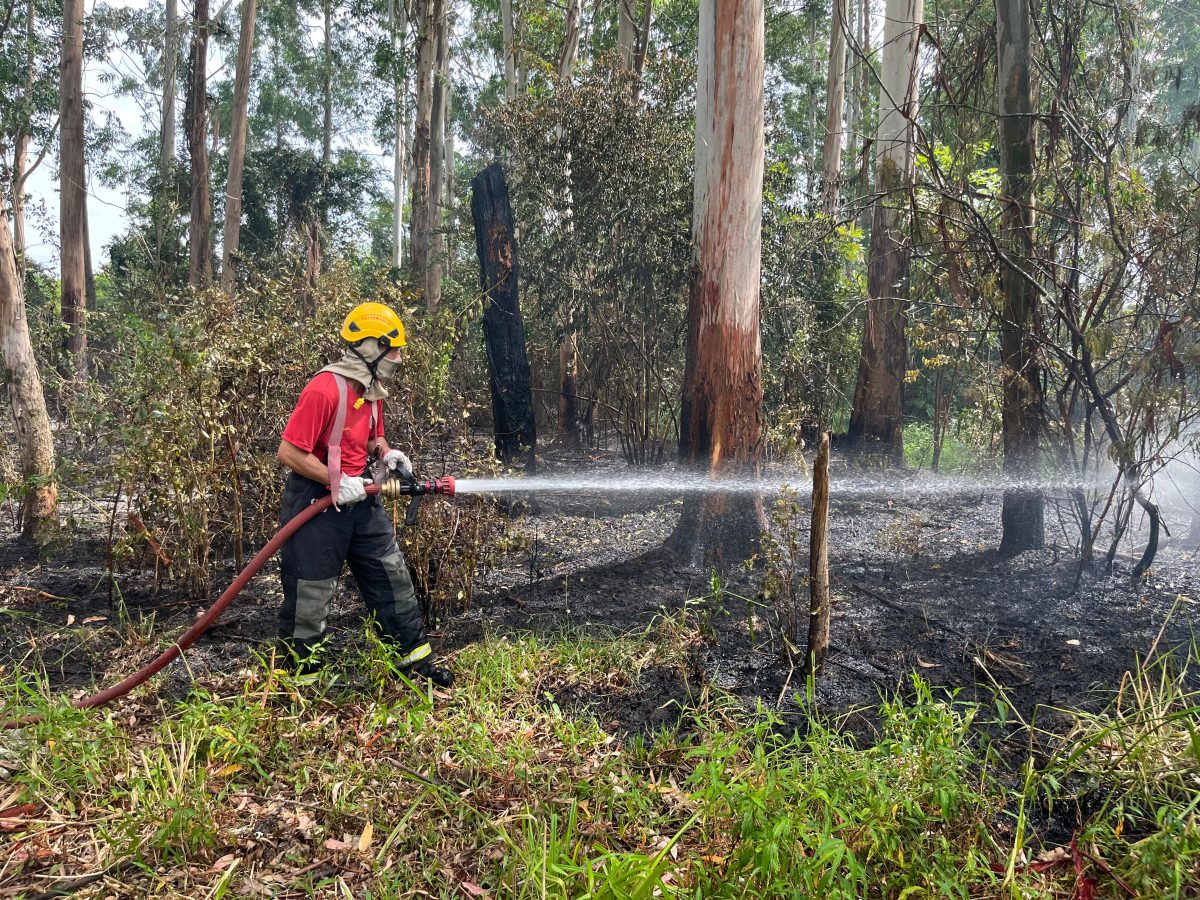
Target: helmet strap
{"x":371,"y":365}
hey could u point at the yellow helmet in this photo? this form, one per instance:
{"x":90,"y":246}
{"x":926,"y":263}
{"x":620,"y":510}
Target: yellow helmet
{"x":373,"y":320}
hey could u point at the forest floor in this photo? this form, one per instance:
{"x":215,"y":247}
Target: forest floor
{"x":917,"y":589}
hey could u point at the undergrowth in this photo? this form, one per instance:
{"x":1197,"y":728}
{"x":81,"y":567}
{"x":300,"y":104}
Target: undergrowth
{"x":352,"y":782}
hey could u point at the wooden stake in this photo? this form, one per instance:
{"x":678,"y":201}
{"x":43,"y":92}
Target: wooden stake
{"x":818,"y":564}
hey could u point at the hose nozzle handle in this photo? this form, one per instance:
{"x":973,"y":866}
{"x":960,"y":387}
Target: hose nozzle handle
{"x":395,"y":488}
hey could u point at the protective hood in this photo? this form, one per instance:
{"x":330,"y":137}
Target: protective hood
{"x":351,"y":365}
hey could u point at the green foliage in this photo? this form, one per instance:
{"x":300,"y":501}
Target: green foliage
{"x":785,"y":579}
{"x":809,"y":344}
{"x":517,"y":786}
{"x":969,"y":445}
{"x":191,"y":400}
{"x":600,"y":178}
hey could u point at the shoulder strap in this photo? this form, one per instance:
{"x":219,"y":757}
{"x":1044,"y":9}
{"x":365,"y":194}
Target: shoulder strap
{"x":333,"y":438}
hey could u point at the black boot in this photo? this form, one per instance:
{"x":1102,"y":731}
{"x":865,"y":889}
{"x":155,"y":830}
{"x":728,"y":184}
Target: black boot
{"x":443,"y":678}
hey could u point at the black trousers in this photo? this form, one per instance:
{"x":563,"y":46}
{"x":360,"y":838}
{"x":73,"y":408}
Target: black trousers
{"x":312,"y":562}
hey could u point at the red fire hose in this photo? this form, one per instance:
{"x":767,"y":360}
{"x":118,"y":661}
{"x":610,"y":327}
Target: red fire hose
{"x":392,"y":490}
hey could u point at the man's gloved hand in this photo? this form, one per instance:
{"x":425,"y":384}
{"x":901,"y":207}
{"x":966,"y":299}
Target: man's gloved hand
{"x":351,"y":490}
{"x":399,"y":463}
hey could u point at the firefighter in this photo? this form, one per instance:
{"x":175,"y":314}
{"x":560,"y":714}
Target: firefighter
{"x":336,"y":427}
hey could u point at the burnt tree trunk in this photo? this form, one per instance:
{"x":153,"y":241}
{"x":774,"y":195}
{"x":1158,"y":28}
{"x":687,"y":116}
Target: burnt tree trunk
{"x":503,"y":329}
{"x":1023,"y":515}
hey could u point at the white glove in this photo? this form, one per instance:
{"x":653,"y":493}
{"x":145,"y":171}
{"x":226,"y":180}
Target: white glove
{"x":351,"y":490}
{"x":399,"y":463}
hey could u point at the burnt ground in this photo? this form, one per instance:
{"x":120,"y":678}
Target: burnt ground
{"x":916,"y":588}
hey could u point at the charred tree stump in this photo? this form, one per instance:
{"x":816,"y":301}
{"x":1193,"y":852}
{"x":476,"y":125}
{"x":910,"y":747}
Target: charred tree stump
{"x":503,"y":329}
{"x":818,"y":564}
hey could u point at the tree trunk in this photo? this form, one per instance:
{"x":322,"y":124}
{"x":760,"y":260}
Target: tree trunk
{"x":422,"y":220}
{"x":237,"y":147}
{"x":570,"y":44}
{"x":200,"y":227}
{"x":643,"y":39}
{"x":721,"y":422}
{"x":26,"y":399}
{"x":437,"y":165}
{"x":1023,"y":514}
{"x":568,"y":394}
{"x":510,"y":49}
{"x":21,"y":143}
{"x":20,"y":163}
{"x":503,"y":329}
{"x":170,"y":64}
{"x":73,"y":188}
{"x":626,"y":31}
{"x":448,"y":213}
{"x":835,"y":98}
{"x":864,"y":100}
{"x":327,"y":88}
{"x":854,"y":113}
{"x":89,"y":273}
{"x":877,"y":419}
{"x":399,"y":157}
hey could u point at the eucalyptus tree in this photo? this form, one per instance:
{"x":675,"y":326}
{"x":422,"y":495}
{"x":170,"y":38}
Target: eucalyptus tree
{"x":31,"y":422}
{"x":877,"y":417}
{"x":237,"y":146}
{"x":721,"y":423}
{"x":835,"y":98}
{"x":196,"y":120}
{"x":72,"y":216}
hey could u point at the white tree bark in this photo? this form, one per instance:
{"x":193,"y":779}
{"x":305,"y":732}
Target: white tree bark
{"x":170,"y":79}
{"x":877,"y":417}
{"x":237,"y":147}
{"x":422,"y":214}
{"x":835,"y":98}
{"x":73,"y":187}
{"x":200,"y":226}
{"x":626,"y":31}
{"x":399,"y":157}
{"x":721,"y":423}
{"x":510,"y":49}
{"x":570,"y":45}
{"x":26,"y":399}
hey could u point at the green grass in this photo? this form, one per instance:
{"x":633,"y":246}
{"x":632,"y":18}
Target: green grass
{"x":268,"y":782}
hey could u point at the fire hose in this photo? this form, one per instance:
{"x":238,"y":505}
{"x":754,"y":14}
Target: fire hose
{"x":393,"y":489}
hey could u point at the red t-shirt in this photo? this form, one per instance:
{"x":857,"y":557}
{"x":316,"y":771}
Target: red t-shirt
{"x":313,"y":416}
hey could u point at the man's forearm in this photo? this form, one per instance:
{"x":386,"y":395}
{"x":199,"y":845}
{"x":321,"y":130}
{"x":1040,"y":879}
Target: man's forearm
{"x":303,"y":462}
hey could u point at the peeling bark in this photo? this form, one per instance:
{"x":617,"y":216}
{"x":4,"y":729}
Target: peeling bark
{"x":877,"y":418}
{"x":721,"y":423}
{"x":26,"y":399}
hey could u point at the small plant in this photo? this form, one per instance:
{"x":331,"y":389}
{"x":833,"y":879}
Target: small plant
{"x":785,"y":581}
